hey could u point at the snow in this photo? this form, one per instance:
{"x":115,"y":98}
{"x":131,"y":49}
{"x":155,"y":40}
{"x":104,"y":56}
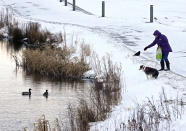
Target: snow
{"x":124,"y":31}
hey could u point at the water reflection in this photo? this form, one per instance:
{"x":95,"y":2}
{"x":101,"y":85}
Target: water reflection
{"x":10,"y":47}
{"x":17,"y":111}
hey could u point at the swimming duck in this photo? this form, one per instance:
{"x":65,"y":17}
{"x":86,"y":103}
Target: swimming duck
{"x":27,"y":93}
{"x":45,"y":93}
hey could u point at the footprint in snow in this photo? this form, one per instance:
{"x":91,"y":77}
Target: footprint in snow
{"x":27,"y":11}
{"x":36,"y":5}
{"x":43,"y":9}
{"x":23,"y":7}
{"x":28,"y":2}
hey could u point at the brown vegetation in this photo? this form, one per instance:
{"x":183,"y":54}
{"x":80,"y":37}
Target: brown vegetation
{"x":103,"y":96}
{"x":31,"y":31}
{"x":54,"y":62}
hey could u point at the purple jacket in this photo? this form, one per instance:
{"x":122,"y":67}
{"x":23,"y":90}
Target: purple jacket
{"x":162,"y":41}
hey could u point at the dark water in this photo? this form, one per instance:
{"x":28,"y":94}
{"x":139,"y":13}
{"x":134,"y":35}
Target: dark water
{"x":17,"y":111}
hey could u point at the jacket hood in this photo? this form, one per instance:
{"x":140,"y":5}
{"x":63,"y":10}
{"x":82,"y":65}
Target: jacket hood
{"x":157,"y":33}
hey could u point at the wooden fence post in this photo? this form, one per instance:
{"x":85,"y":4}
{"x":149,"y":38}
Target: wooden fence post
{"x":74,"y":5}
{"x":103,"y":8}
{"x":66,"y":2}
{"x":151,"y":13}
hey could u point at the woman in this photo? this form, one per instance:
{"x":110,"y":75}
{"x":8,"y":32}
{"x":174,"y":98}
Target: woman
{"x":162,"y":41}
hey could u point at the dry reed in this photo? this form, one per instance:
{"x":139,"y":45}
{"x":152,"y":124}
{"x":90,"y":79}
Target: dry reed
{"x":103,"y":96}
{"x":54,"y":62}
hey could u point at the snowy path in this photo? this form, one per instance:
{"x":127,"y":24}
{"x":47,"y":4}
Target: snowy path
{"x":113,"y":36}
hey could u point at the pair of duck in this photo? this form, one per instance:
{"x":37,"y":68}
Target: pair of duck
{"x":29,"y":93}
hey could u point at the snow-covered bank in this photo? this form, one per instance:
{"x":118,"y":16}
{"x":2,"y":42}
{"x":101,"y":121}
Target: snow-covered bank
{"x":124,"y":31}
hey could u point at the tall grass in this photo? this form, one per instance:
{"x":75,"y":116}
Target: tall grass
{"x":34,"y":34}
{"x":54,"y":62}
{"x":103,"y":96}
{"x":31,"y":31}
{"x":16,"y":33}
{"x":6,"y":18}
{"x":42,"y":124}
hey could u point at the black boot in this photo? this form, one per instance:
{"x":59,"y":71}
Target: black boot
{"x":168,"y":66}
{"x":162,"y":66}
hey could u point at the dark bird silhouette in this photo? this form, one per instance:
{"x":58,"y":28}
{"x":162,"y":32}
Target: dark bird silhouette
{"x":137,"y":54}
{"x":45,"y":93}
{"x":27,"y":93}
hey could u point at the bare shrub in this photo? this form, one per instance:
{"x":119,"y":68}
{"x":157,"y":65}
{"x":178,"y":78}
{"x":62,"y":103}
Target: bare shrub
{"x":154,"y":115}
{"x":85,"y":114}
{"x":103,"y":96}
{"x":80,"y":117}
{"x":108,"y":74}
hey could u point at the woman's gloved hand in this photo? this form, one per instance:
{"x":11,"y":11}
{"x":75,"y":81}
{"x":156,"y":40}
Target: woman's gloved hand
{"x":145,"y":48}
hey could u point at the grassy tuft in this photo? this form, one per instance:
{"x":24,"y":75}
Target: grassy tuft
{"x":54,"y":62}
{"x":34,"y":34}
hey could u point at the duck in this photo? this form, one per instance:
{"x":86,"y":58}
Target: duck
{"x":45,"y":93}
{"x":27,"y":93}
